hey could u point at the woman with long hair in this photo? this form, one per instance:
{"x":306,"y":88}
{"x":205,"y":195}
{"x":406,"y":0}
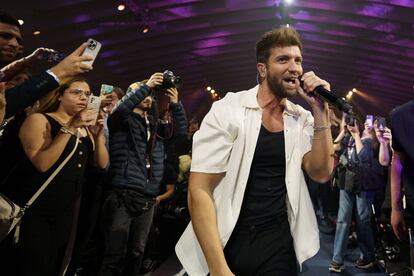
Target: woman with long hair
{"x":47,"y":137}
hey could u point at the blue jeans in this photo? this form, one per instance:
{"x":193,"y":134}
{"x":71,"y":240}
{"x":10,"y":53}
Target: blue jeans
{"x":366,"y":241}
{"x":126,"y":221}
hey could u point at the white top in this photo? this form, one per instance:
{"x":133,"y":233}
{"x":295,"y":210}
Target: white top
{"x":226,"y":142}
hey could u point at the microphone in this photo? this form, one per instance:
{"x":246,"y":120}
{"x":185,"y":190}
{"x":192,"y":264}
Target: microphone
{"x":330,"y":98}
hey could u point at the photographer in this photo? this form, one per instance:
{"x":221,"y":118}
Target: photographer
{"x":355,"y":156}
{"x":136,"y":148}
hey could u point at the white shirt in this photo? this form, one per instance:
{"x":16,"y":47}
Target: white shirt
{"x":226,"y":142}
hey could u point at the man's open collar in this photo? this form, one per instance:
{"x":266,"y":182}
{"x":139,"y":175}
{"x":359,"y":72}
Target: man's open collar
{"x":250,"y":101}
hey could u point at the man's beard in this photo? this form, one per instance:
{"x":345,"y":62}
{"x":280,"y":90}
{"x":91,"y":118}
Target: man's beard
{"x":276,"y":86}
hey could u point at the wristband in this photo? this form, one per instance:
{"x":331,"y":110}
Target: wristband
{"x":318,"y":128}
{"x":66,"y":131}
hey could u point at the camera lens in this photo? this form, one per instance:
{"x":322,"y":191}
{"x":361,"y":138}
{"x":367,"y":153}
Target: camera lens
{"x":170,"y":80}
{"x":177,"y":81}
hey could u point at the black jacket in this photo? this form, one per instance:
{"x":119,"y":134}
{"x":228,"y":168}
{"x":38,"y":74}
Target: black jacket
{"x":129,"y":149}
{"x":25,"y":94}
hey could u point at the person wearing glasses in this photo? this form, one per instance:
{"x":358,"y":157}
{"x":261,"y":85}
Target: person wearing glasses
{"x":47,"y":138}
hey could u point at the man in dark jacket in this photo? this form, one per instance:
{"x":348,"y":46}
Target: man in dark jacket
{"x":136,"y":169}
{"x":25,"y":94}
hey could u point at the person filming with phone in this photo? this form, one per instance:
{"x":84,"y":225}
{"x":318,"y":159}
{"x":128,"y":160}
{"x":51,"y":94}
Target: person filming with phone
{"x":361,"y":177}
{"x":137,"y":151}
{"x":47,"y":138}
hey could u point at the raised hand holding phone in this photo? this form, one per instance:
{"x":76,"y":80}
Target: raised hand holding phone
{"x":106,"y":95}
{"x":92,"y":49}
{"x":73,"y":64}
{"x":94,"y":103}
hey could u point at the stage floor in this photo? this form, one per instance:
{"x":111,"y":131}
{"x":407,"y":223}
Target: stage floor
{"x":318,"y":265}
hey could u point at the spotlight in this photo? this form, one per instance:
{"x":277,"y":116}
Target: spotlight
{"x":145,"y":30}
{"x":121,"y":6}
{"x":212,"y":91}
{"x":354,"y":90}
{"x":36,"y":33}
{"x":208,"y":88}
{"x":21,"y":22}
{"x":287,"y":25}
{"x":288,"y":1}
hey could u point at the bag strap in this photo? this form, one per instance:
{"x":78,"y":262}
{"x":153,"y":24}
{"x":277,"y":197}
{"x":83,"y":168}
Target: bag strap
{"x":42,"y":188}
{"x":52,"y":176}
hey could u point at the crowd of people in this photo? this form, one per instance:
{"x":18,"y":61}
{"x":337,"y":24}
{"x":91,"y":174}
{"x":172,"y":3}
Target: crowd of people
{"x":122,"y":165}
{"x":262,"y":170}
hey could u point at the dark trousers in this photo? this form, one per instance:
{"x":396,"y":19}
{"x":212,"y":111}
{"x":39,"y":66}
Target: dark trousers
{"x":41,"y":246}
{"x":262,"y":250}
{"x":126,"y":221}
{"x":87,"y":252}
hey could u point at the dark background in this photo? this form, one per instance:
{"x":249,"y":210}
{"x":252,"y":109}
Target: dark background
{"x":362,"y":44}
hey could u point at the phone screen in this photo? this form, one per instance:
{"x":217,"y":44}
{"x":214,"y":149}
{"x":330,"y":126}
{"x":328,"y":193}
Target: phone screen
{"x":370,"y":120}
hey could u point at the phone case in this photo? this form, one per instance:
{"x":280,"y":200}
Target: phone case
{"x":106,"y":89}
{"x":381,"y":123}
{"x":94,"y":102}
{"x":370,"y":120}
{"x":92,"y":49}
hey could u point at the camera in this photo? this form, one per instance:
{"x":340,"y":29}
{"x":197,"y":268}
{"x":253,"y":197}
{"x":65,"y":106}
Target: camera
{"x":92,"y":44}
{"x":170,"y":80}
{"x":350,"y":120}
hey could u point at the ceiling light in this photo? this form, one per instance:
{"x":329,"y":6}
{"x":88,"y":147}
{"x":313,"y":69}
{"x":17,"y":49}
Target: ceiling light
{"x":145,"y":30}
{"x":121,"y":6}
{"x":288,"y":1}
{"x":212,"y":91}
{"x":208,"y":88}
{"x":354,"y":90}
{"x":36,"y":33}
{"x":21,"y":22}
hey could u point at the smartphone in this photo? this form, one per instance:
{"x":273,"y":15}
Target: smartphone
{"x":94,"y":102}
{"x":106,"y":89}
{"x":381,"y":123}
{"x":92,"y":49}
{"x":369,"y":120}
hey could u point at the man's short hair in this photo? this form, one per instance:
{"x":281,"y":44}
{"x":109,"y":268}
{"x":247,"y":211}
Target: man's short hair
{"x":8,"y":19}
{"x":278,"y":37}
{"x":119,"y":92}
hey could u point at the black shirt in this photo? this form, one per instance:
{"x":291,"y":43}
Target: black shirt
{"x":61,"y":194}
{"x":402,"y":121}
{"x":265,"y":195}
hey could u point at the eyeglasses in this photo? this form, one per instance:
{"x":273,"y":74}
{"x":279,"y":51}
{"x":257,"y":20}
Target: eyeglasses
{"x":78,"y":92}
